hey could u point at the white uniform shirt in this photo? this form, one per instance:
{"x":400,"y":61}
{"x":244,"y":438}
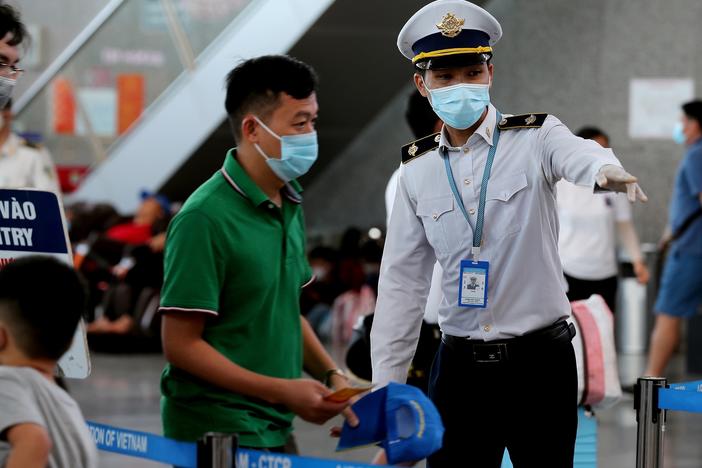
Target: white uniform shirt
{"x":435,"y":295}
{"x":587,"y":238}
{"x":520,"y":238}
{"x":22,"y":166}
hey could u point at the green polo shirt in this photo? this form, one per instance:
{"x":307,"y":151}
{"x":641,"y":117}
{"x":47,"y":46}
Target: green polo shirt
{"x":235,"y":256}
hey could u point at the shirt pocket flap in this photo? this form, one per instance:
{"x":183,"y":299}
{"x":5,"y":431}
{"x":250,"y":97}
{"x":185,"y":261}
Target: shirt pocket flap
{"x":504,"y":188}
{"x":434,"y":208}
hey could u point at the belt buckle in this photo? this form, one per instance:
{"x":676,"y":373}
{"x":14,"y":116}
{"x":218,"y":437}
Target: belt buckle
{"x":489,"y":353}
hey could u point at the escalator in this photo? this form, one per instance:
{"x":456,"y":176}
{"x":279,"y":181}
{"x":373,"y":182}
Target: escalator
{"x":139,"y":101}
{"x":133,"y":97}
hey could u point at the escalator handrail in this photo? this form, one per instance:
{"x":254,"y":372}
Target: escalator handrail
{"x":68,"y":53}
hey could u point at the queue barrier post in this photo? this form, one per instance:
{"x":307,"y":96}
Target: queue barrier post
{"x":217,"y":450}
{"x":650,"y":421}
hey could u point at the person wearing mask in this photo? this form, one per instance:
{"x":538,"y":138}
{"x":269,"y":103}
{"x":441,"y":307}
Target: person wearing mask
{"x":587,"y":242}
{"x":680,"y":293}
{"x":235,"y":264}
{"x":479,"y":198}
{"x":22,"y":164}
{"x":12,"y":34}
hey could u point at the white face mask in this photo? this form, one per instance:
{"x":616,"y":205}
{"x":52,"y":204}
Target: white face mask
{"x":320,"y":273}
{"x":7,"y":85}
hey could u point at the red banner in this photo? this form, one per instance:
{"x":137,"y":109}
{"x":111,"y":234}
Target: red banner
{"x":130,"y":100}
{"x":64,"y":107}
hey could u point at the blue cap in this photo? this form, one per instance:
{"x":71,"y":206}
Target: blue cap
{"x":161,"y":199}
{"x":399,"y":418}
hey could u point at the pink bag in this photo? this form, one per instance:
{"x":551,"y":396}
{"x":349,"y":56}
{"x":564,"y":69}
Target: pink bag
{"x":595,"y":353}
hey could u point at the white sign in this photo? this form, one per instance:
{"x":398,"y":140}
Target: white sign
{"x":99,"y":106}
{"x":654,"y":105}
{"x":32,"y":222}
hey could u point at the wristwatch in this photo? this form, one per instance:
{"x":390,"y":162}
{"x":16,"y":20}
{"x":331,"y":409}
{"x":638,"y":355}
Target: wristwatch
{"x":328,"y":374}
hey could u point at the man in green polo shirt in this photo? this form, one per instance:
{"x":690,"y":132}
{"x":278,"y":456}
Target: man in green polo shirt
{"x":235,"y":264}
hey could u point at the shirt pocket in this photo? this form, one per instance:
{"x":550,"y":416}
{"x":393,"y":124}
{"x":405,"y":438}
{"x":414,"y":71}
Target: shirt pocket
{"x":436,"y":214}
{"x":503,"y":214}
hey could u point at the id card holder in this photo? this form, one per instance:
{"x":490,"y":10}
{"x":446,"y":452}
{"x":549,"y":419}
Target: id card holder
{"x":473,"y":286}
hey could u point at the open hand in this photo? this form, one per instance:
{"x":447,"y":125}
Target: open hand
{"x":615,"y":178}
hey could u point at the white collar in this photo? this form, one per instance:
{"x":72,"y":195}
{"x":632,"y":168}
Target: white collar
{"x":485,"y":130}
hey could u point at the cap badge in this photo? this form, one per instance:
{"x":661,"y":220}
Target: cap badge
{"x":450,"y":25}
{"x":530,"y":120}
{"x":412,"y":150}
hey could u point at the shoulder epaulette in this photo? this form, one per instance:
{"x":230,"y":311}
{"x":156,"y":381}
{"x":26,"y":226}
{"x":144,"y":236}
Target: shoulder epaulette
{"x":30,"y":144}
{"x":522,"y":121}
{"x":417,"y":148}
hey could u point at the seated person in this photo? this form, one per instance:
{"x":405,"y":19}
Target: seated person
{"x":125,"y":264}
{"x":41,"y":302}
{"x":147,"y":222}
{"x":317,"y":298}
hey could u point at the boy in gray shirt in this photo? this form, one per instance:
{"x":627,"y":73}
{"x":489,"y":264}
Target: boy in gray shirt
{"x":41,"y":302}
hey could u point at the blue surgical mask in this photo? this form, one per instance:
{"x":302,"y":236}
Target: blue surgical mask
{"x":460,"y":106}
{"x":297,"y":154}
{"x":678,"y":134}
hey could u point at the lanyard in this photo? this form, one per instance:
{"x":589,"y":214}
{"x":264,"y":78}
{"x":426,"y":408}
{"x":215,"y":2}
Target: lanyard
{"x":478,"y":231}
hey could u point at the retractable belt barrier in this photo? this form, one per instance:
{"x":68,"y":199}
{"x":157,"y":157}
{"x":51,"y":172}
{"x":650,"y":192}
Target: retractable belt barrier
{"x":652,"y":398}
{"x":213,"y":451}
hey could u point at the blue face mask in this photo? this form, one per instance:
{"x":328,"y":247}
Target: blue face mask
{"x":460,"y":106}
{"x":297,"y":154}
{"x":678,"y":134}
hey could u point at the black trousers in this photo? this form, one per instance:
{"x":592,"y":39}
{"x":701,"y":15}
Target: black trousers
{"x":580,"y":289}
{"x":527,"y":404}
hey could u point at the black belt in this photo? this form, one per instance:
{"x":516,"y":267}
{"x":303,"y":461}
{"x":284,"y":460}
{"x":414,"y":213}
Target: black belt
{"x":500,"y":351}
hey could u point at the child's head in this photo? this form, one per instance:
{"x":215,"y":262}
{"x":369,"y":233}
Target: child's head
{"x":41,"y":302}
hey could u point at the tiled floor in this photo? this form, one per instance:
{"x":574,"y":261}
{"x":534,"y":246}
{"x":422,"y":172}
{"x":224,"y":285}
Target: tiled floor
{"x":123,"y":391}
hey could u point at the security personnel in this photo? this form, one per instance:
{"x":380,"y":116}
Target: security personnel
{"x":23,"y":164}
{"x":479,"y":198}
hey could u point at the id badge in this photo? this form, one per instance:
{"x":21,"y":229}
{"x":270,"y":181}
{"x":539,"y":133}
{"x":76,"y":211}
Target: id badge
{"x":473,"y":287}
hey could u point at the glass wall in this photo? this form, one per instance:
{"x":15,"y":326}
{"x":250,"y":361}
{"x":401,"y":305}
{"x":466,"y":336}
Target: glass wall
{"x":110,"y":82}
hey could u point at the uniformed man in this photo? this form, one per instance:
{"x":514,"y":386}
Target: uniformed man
{"x":479,"y":197}
{"x":12,"y":33}
{"x":23,"y":164}
{"x":473,"y":283}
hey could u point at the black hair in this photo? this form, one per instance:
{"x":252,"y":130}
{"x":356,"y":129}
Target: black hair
{"x":419,"y":115}
{"x":693,"y":110}
{"x":590,"y":133}
{"x":324,"y":253}
{"x":372,"y":251}
{"x":255,"y":86}
{"x":10,"y":23}
{"x":41,"y":302}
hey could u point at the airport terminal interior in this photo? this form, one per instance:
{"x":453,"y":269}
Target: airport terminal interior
{"x":127,"y":99}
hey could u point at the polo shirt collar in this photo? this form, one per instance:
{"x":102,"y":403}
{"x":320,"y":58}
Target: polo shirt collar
{"x":240,"y":181}
{"x":485,"y":130}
